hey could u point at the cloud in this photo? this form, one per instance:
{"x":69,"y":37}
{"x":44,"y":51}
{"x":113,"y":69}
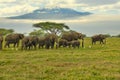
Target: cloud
{"x":104,"y":8}
{"x":7,"y":1}
{"x":97,"y":2}
{"x":16,"y":10}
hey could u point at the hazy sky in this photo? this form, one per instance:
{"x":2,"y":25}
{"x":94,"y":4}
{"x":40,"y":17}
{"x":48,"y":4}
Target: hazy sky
{"x":105,"y":17}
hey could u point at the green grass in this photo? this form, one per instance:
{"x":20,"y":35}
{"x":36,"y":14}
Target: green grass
{"x":99,"y":62}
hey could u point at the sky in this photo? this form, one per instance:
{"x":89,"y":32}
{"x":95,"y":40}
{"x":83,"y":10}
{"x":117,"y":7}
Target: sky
{"x":106,"y":13}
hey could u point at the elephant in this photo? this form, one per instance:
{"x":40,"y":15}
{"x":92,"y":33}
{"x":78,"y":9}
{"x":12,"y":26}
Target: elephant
{"x":41,"y":42}
{"x":29,"y":42}
{"x":13,"y":39}
{"x":34,"y":41}
{"x":25,"y":43}
{"x":50,"y":40}
{"x":99,"y":37}
{"x":62,"y":42}
{"x":72,"y":35}
{"x":75,"y":43}
{"x":1,"y":41}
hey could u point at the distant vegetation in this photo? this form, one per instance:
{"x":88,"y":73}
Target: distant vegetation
{"x":6,"y":31}
{"x":118,"y":35}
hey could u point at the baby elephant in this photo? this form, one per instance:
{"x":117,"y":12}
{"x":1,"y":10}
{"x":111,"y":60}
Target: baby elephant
{"x":75,"y":43}
{"x":62,"y":42}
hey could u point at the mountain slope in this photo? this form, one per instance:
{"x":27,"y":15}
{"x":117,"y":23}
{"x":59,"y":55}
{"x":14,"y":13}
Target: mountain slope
{"x":55,"y":13}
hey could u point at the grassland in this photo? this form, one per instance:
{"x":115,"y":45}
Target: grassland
{"x":98,"y":62}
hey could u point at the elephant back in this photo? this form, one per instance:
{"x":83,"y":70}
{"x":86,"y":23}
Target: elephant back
{"x":12,"y":37}
{"x":67,"y":36}
{"x":71,"y":35}
{"x":41,"y":39}
{"x":98,"y":37}
{"x":52,"y":37}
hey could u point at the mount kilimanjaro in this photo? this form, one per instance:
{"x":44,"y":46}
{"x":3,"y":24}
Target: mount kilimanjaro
{"x":54,"y":13}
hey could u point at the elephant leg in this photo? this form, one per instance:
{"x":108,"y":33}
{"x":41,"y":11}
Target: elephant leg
{"x":105,"y":41}
{"x":39,"y":46}
{"x":35,"y":46}
{"x":78,"y":46}
{"x":92,"y":42}
{"x":14,"y":45}
{"x":0,"y":46}
{"x":26,"y":47}
{"x":29,"y":47}
{"x":47,"y":46}
{"x":17,"y":44}
{"x":7,"y":44}
{"x":42,"y":45}
{"x":52,"y":46}
{"x":100,"y":41}
{"x":82,"y":42}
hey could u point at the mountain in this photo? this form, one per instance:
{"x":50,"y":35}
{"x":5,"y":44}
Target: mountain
{"x":54,"y":13}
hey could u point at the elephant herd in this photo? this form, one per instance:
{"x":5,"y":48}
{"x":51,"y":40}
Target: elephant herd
{"x":67,"y":39}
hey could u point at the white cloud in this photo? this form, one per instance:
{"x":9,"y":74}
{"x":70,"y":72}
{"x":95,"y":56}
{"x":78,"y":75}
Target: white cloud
{"x":16,"y":10}
{"x":103,"y":8}
{"x":7,"y":1}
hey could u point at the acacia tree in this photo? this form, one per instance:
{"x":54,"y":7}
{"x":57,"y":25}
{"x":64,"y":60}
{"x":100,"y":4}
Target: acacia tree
{"x":5,"y":31}
{"x":51,"y":27}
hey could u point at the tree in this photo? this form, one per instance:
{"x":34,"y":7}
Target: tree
{"x":118,"y":35}
{"x":5,"y":31}
{"x":37,"y":33}
{"x":51,"y":27}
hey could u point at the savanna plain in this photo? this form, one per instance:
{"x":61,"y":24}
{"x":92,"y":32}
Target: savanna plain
{"x":93,"y":62}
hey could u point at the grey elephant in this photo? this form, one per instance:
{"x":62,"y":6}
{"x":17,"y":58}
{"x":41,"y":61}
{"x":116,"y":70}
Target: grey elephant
{"x":100,"y":38}
{"x":75,"y":43}
{"x":1,"y":41}
{"x":25,"y":43}
{"x":41,"y":42}
{"x":29,"y":42}
{"x":13,"y":39}
{"x":72,"y":35}
{"x":62,"y":42}
{"x":50,"y":40}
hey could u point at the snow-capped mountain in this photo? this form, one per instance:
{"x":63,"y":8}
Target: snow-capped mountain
{"x":54,"y":13}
